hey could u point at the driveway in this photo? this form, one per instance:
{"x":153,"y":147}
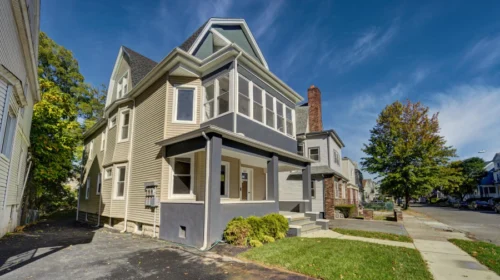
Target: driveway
{"x":481,"y":225}
{"x":62,"y":249}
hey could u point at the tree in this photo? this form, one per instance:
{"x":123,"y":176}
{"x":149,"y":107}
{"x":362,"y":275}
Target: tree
{"x":406,"y":150}
{"x":470,"y":172}
{"x":68,"y":106}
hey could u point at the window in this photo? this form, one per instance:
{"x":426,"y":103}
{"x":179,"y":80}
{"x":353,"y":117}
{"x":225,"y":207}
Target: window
{"x":122,"y":87}
{"x":124,"y":125}
{"x":103,"y":140}
{"x":300,"y":149}
{"x":91,"y":149}
{"x":314,"y":153}
{"x":183,"y":177}
{"x":258,"y":109}
{"x":108,"y":173}
{"x":99,"y":184}
{"x":8,"y":137}
{"x":184,"y":101}
{"x":224,"y":179}
{"x":336,"y":157}
{"x":112,"y":122}
{"x":337,"y":189}
{"x":313,"y":189}
{"x":87,"y":188}
{"x":223,"y":96}
{"x":280,"y":120}
{"x":289,"y":122}
{"x":269,"y":110}
{"x":208,"y":102}
{"x":120,"y":182}
{"x":243,"y":96}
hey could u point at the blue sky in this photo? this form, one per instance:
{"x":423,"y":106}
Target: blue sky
{"x":363,"y":55}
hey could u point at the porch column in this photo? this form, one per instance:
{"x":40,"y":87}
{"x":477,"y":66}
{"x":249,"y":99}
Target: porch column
{"x":306,"y":187}
{"x":272,"y":179}
{"x":214,"y":153}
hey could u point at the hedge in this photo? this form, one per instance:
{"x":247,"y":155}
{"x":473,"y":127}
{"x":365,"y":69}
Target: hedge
{"x":255,"y":231}
{"x":349,"y":210}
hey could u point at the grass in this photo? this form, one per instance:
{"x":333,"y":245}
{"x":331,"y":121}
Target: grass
{"x":375,"y":234}
{"x":486,"y":253}
{"x":327,"y":258}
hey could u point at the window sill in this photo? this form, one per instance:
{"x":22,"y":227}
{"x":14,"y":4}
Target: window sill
{"x":122,"y":141}
{"x":118,"y":198}
{"x":183,"y":122}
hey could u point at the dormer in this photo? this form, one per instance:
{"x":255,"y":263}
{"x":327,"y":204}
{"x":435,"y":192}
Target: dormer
{"x":130,"y":67}
{"x":217,"y":33}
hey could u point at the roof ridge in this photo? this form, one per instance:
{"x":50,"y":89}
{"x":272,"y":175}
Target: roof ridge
{"x":127,"y":49}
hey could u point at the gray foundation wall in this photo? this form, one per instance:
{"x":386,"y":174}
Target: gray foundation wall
{"x":189,"y":215}
{"x":293,"y":206}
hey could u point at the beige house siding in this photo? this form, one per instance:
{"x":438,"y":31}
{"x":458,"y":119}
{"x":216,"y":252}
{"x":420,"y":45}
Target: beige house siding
{"x":92,"y":168}
{"x":146,"y":166}
{"x":122,"y":69}
{"x":174,"y":129}
{"x":18,"y":165}
{"x":121,"y":148}
{"x":110,"y":143}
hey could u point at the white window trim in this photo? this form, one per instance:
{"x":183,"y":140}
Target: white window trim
{"x":313,"y":187}
{"x":283,"y":106}
{"x":110,"y":124}
{"x":99,"y":181}
{"x":91,"y":149}
{"x":309,"y":152}
{"x":123,"y":112}
{"x":4,"y":119}
{"x":115,"y":182}
{"x":250,"y":99}
{"x":250,"y":172}
{"x":213,"y":100}
{"x":106,"y":177}
{"x":227,"y":182}
{"x":262,"y":98}
{"x":191,"y":194}
{"x":103,"y":140}
{"x":118,"y":84}
{"x":87,"y":188}
{"x":175,"y":103}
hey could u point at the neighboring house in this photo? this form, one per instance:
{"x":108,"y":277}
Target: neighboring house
{"x":19,"y":29}
{"x":370,"y":190}
{"x":190,"y":142}
{"x":359,"y":184}
{"x":349,"y":168}
{"x":490,"y":184}
{"x":329,"y":185}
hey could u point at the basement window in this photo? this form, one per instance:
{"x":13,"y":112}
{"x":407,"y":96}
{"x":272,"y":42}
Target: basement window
{"x":182,"y":232}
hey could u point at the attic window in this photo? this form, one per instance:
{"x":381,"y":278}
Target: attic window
{"x":122,"y":87}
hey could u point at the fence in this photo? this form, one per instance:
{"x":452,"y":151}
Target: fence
{"x":377,"y":206}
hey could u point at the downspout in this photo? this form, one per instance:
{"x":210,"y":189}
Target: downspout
{"x":235,"y":89}
{"x":129,"y":169}
{"x":100,"y":202}
{"x":207,"y":173}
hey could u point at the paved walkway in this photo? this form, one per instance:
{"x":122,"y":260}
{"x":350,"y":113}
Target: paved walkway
{"x":379,"y":226}
{"x":333,"y":234}
{"x":445,"y":260}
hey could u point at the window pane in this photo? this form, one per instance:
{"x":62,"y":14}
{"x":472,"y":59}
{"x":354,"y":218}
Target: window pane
{"x":223,"y":103}
{"x":257,"y":112}
{"x":243,"y":86}
{"x":209,"y":92}
{"x":182,"y":166}
{"x":209,"y":110}
{"x":269,"y":102}
{"x":223,"y":85}
{"x":120,"y":186}
{"x":121,"y":176}
{"x":223,"y":180}
{"x":279,"y":108}
{"x":244,"y":105}
{"x":125,"y":132}
{"x":125,"y":88}
{"x":185,"y":104}
{"x":6,"y":136}
{"x":289,"y":128}
{"x":288,"y":114}
{"x":300,"y":149}
{"x":257,"y":95}
{"x":270,"y":118}
{"x":182,"y":184}
{"x":280,"y":124}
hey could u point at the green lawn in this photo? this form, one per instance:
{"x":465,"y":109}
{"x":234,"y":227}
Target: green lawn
{"x":327,"y":258}
{"x":486,"y":253}
{"x":375,"y":234}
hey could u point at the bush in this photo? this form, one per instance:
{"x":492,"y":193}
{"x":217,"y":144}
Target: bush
{"x":237,"y":232}
{"x":257,"y":227}
{"x":275,"y":225}
{"x":349,"y":210}
{"x":256,"y":243}
{"x":267,"y":239}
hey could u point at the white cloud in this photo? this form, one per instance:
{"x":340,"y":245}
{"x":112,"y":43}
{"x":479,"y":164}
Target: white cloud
{"x":267,"y":18}
{"x":470,"y":119}
{"x":485,"y":53}
{"x":216,"y":8}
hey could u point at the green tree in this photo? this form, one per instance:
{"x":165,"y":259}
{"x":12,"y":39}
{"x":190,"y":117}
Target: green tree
{"x":471,"y":171}
{"x":406,"y":151}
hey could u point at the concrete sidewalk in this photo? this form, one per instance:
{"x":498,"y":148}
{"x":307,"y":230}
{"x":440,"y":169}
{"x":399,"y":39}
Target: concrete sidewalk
{"x":333,"y":234}
{"x":445,"y":260}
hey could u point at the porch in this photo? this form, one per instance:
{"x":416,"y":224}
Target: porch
{"x":216,"y":175}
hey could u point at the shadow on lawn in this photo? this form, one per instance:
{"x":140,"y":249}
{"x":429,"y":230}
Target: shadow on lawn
{"x":40,"y":240}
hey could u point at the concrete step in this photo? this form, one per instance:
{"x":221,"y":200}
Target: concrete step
{"x":309,"y":229}
{"x":302,"y":222}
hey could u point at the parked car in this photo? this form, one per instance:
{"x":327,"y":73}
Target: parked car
{"x":461,"y":204}
{"x":493,"y":201}
{"x":497,"y":208}
{"x":479,"y":205}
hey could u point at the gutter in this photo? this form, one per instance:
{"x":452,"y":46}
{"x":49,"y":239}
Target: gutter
{"x":235,"y":90}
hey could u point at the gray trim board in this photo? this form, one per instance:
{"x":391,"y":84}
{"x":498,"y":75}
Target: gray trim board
{"x":214,"y":150}
{"x":225,"y":122}
{"x":185,"y":146}
{"x":272,"y":179}
{"x":306,"y":186}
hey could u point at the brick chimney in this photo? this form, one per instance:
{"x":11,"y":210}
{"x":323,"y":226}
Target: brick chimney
{"x":314,"y":100}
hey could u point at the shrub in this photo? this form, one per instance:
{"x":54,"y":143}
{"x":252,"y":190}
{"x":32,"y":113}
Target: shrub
{"x":257,"y":227}
{"x":237,"y":232}
{"x":275,"y":225}
{"x":347,"y":209}
{"x":256,"y":243}
{"x":267,"y":239}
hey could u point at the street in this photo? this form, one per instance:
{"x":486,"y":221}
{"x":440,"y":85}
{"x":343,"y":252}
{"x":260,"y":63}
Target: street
{"x":481,"y":225}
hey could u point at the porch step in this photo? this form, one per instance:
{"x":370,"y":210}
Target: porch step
{"x":302,"y":222}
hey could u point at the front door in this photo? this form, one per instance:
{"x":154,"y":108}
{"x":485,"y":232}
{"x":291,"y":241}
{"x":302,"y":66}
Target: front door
{"x":246,"y":184}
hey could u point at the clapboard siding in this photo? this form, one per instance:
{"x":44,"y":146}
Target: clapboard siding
{"x":146,"y":160}
{"x":121,"y":150}
{"x":15,"y":157}
{"x":110,"y":146}
{"x":174,"y":129}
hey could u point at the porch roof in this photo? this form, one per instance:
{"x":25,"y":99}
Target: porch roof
{"x":324,"y":170}
{"x":235,"y":137}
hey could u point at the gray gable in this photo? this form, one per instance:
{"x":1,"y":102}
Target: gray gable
{"x":139,"y":65}
{"x":301,"y":117}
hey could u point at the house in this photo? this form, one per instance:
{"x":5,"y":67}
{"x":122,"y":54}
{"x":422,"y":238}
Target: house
{"x":370,"y":190}
{"x":349,"y":168}
{"x":328,"y":185}
{"x":190,"y":142}
{"x":19,"y":29}
{"x":490,"y":184}
{"x":359,"y":183}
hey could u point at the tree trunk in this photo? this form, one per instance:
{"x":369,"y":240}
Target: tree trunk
{"x":407,"y":198}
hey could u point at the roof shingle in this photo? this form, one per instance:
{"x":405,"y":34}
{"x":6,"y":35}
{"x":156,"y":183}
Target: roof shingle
{"x":139,"y":65}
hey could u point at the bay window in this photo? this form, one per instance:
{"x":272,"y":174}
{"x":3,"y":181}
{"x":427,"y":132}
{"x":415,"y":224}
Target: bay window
{"x":243,"y":96}
{"x":122,"y":87}
{"x":269,"y":111}
{"x":216,"y":98}
{"x":280,"y":121}
{"x":223,"y":96}
{"x":209,"y":102}
{"x":257,"y":104}
{"x":289,"y":122}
